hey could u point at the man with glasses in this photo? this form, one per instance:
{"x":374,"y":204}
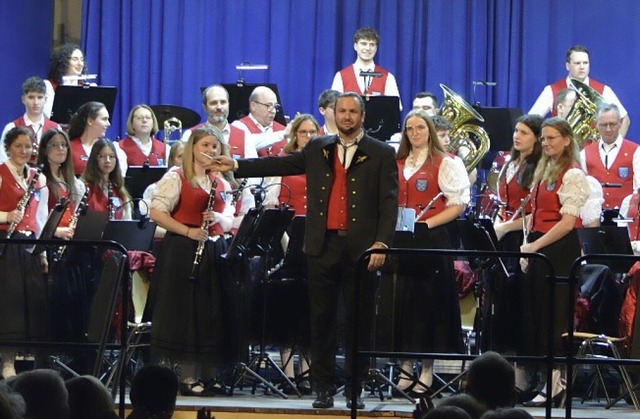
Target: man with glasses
{"x":354,"y":78}
{"x":268,"y":136}
{"x":614,"y":161}
{"x":578,"y":66}
{"x":34,"y":97}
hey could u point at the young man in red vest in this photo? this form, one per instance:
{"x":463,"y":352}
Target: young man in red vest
{"x":578,"y":66}
{"x":34,"y":98}
{"x":349,"y":79}
{"x":268,"y":136}
{"x":614,"y":161}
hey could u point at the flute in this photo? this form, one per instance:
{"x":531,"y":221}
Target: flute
{"x":429,"y":205}
{"x":523,"y":203}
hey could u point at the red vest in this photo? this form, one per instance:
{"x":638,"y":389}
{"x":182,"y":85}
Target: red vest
{"x":513,"y":193}
{"x":78,"y":156}
{"x":276,"y":148}
{"x":294,"y":192}
{"x":135,"y":156}
{"x":620,"y":172}
{"x":337,"y":209}
{"x":350,"y":82}
{"x":98,"y":201}
{"x":560,"y":85}
{"x":193,"y":201}
{"x":632,"y":213}
{"x":64,"y":194}
{"x":236,"y":140}
{"x":48,"y":124}
{"x":546,"y":205}
{"x":11,"y":193}
{"x":421,"y":188}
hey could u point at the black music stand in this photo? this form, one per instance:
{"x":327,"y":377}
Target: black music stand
{"x":382,"y":116}
{"x":131,"y":234}
{"x":140,"y":177}
{"x":50,"y":226}
{"x":258,"y":235}
{"x":499,"y":124}
{"x":239,"y":99}
{"x":69,"y":98}
{"x":91,"y":225}
{"x":607,"y":240}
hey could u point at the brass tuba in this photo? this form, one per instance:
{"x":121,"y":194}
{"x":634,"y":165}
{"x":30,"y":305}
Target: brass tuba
{"x":582,"y":116}
{"x":170,"y":125}
{"x":468,"y":141}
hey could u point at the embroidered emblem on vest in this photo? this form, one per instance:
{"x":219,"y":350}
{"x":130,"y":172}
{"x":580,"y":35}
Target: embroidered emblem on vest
{"x":421,"y":185}
{"x":623,"y":172}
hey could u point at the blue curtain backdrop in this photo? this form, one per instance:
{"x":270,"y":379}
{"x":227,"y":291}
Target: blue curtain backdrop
{"x":164,"y":51}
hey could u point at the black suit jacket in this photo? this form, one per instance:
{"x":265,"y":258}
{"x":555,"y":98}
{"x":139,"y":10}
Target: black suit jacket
{"x":372,"y":189}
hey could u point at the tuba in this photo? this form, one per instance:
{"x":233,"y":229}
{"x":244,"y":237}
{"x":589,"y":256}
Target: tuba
{"x":469,"y":141}
{"x":582,"y":115}
{"x":170,"y":125}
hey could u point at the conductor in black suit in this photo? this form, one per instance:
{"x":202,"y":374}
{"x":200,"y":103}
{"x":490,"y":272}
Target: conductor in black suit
{"x":352,"y":204}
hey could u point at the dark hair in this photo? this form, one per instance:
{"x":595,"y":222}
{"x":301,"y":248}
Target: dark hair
{"x":466,"y":402}
{"x":34,"y":84}
{"x":154,"y":388}
{"x":66,"y":168}
{"x":59,"y":62}
{"x":353,"y":95}
{"x":562,"y":94}
{"x":292,"y":145}
{"x":575,"y":48}
{"x":79,"y":119}
{"x":534,"y":123}
{"x":88,"y":398}
{"x":447,"y":412}
{"x":44,"y":393}
{"x":492,"y":381}
{"x":440,"y":123}
{"x":367,"y":33}
{"x":507,"y":413}
{"x":327,"y":98}
{"x":92,"y":175}
{"x":13,"y":135}
{"x":206,"y":91}
{"x":422,"y":95}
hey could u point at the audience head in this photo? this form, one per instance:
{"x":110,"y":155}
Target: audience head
{"x":365,"y":44}
{"x":89,"y":398}
{"x":215,"y":102}
{"x":304,"y":127}
{"x":426,"y":101}
{"x":491,"y":380}
{"x":91,"y":119}
{"x":564,"y":101}
{"x":44,"y":393}
{"x":446,"y":412}
{"x":577,"y":64}
{"x":12,"y":404}
{"x":419,"y":131}
{"x":608,"y":122}
{"x":154,"y":389}
{"x":66,"y":60}
{"x":466,"y":402}
{"x":263,"y":105}
{"x":142,"y":121}
{"x":507,"y":413}
{"x":175,"y":154}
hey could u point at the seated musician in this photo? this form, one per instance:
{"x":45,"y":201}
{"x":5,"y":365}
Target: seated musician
{"x":427,"y":313}
{"x":23,"y":213}
{"x":140,"y":146}
{"x":188,"y":313}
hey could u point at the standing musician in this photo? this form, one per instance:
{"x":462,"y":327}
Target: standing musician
{"x":66,"y":60}
{"x":141,"y":147}
{"x":427,"y":312}
{"x":104,"y":179}
{"x":23,"y":213}
{"x":560,"y":190}
{"x":293,"y":192}
{"x":188,"y":312}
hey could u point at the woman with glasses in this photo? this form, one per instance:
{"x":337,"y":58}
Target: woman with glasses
{"x":292,"y":191}
{"x":23,"y":213}
{"x":87,"y":125}
{"x":559,"y":191}
{"x":140,"y":146}
{"x":423,"y":303}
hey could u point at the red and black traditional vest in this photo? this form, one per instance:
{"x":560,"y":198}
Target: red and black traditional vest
{"x":273,"y":150}
{"x":417,"y":191}
{"x":337,"y":210}
{"x":78,"y":156}
{"x":193,"y":201}
{"x":135,"y":156}
{"x":11,"y":193}
{"x":620,"y":172}
{"x":350,"y":81}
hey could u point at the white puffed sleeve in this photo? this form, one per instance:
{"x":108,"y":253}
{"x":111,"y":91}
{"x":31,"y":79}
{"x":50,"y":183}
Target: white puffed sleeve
{"x":592,"y":209}
{"x":574,"y":192}
{"x":453,"y":181}
{"x":167,"y":193}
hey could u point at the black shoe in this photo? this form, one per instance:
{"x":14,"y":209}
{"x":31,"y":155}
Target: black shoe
{"x":359,"y":403}
{"x":419,"y":391}
{"x":286,"y":388}
{"x":304,"y":387}
{"x":541,"y":400}
{"x":324,"y":400}
{"x":191,"y":389}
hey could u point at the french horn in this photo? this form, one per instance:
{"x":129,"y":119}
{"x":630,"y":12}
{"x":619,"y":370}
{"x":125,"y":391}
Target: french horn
{"x":582,"y":116}
{"x":469,"y":141}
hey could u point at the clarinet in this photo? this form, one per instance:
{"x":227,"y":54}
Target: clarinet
{"x":110,"y":208}
{"x":429,"y":205}
{"x":200,"y":249}
{"x":22,"y":204}
{"x":73,"y":223}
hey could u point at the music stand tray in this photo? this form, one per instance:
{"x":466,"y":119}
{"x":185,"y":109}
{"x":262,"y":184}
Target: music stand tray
{"x":91,"y":225}
{"x":140,"y":177}
{"x":68,"y":99}
{"x":383,"y":116}
{"x":607,"y":240}
{"x":132,"y":234}
{"x":50,"y":226}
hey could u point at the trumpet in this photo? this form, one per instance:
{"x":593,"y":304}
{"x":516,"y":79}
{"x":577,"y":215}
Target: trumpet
{"x":73,"y":223}
{"x":22,"y":204}
{"x":200,"y":249}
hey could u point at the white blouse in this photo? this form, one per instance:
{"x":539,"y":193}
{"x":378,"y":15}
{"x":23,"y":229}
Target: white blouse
{"x":452,"y":178}
{"x":574,"y":192}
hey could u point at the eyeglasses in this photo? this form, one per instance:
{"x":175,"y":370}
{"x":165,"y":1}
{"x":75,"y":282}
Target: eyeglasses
{"x":270,"y":106}
{"x":305,"y":133}
{"x":608,"y":125}
{"x":550,"y":139}
{"x":143,"y":118}
{"x":62,"y":146}
{"x":418,"y":128}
